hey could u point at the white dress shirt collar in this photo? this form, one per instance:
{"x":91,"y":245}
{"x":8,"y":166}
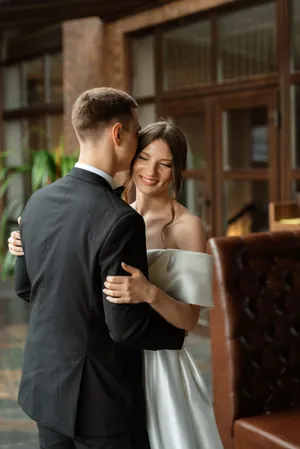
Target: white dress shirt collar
{"x":97,"y":171}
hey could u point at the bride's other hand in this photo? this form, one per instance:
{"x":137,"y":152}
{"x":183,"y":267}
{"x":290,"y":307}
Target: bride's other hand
{"x":132,"y":289}
{"x":15,"y":244}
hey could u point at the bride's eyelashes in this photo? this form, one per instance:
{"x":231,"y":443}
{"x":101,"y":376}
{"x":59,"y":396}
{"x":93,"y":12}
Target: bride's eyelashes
{"x":146,"y":159}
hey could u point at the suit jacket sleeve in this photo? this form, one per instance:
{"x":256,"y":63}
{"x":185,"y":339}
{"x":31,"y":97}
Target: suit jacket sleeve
{"x":21,"y":278}
{"x":22,"y":281}
{"x":134,"y":325}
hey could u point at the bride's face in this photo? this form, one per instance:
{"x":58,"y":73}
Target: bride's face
{"x":152,"y":169}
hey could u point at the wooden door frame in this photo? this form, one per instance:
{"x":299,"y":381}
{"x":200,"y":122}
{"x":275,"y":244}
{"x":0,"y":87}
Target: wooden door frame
{"x":190,"y":107}
{"x":245,"y":100}
{"x":291,"y":173}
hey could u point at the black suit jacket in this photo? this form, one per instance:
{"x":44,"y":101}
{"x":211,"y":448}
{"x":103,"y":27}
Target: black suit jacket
{"x":83,"y":365}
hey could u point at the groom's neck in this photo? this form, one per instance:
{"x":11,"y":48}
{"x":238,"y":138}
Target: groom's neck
{"x":98,"y":157}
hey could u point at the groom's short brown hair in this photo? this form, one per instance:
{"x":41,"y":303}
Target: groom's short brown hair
{"x":96,"y":108}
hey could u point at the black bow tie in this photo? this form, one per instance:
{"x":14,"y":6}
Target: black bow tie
{"x":119,"y":190}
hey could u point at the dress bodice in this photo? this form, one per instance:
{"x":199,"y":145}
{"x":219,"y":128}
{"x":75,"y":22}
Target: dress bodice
{"x":184,"y":275}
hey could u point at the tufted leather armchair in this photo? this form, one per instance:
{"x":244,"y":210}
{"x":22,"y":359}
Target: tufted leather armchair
{"x":255,"y":335}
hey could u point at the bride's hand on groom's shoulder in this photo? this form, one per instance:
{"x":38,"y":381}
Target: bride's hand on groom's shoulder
{"x":132,"y":289}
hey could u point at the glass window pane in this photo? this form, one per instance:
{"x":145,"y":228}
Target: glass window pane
{"x":295,"y":120}
{"x":56,"y":78}
{"x":54,"y":131}
{"x":187,"y":56}
{"x":245,"y":207}
{"x":245,"y":134}
{"x":12,"y":87}
{"x":247,"y":42}
{"x":143,"y":68}
{"x":192,"y":197}
{"x":35,"y":134}
{"x":33,"y":82}
{"x":295,"y":18}
{"x":193,"y":128}
{"x":295,"y":186}
{"x":13,"y":145}
{"x":147,"y":114}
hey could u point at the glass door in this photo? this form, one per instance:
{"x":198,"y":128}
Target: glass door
{"x":247,"y":162}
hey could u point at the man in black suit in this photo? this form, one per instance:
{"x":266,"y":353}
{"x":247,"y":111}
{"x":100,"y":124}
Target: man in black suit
{"x":82,"y":379}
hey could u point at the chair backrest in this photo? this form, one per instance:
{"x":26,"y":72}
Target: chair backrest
{"x":255,"y":326}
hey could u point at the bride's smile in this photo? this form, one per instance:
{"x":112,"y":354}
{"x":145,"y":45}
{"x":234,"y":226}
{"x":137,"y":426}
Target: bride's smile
{"x":149,"y":181}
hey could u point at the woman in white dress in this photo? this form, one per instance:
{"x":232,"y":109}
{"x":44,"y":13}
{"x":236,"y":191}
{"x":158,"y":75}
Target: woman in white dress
{"x":179,"y":409}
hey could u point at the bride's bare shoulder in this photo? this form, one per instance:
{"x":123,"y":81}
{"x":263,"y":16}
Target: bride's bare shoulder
{"x":185,"y":217}
{"x":188,"y":230}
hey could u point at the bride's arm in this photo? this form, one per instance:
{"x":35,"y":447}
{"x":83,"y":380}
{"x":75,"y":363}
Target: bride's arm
{"x":184,"y":316}
{"x":190,"y":237}
{"x":136,"y":288}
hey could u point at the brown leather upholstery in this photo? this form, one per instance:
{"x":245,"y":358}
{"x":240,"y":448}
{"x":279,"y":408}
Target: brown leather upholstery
{"x":275,"y":431}
{"x":255,"y":334}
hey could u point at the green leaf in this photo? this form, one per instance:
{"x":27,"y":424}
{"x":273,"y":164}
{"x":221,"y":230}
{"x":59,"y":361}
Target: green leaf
{"x":9,"y":176}
{"x":43,"y":169}
{"x":5,"y":185}
{"x":8,"y":266}
{"x":3,"y":173}
{"x":12,"y":210}
{"x":19,"y":168}
{"x":10,"y":170}
{"x":4,"y":154}
{"x":67,"y":163}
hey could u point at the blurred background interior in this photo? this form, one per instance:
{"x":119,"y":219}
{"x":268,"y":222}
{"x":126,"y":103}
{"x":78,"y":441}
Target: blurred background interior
{"x":226,"y":71}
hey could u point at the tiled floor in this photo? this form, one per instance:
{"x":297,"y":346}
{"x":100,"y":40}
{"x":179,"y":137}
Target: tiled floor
{"x":16,"y":430}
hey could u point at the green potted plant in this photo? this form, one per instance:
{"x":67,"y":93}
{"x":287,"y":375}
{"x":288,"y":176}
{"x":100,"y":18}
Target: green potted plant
{"x":45,"y":167}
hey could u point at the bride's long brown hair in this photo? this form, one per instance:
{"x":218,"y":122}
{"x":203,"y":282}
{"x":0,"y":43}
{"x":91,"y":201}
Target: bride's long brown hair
{"x":174,"y":138}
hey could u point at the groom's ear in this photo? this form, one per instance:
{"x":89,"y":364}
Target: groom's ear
{"x":117,"y":133}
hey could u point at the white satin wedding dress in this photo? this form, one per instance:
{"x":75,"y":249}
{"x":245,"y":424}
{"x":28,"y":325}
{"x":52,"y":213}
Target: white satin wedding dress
{"x":179,"y":409}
